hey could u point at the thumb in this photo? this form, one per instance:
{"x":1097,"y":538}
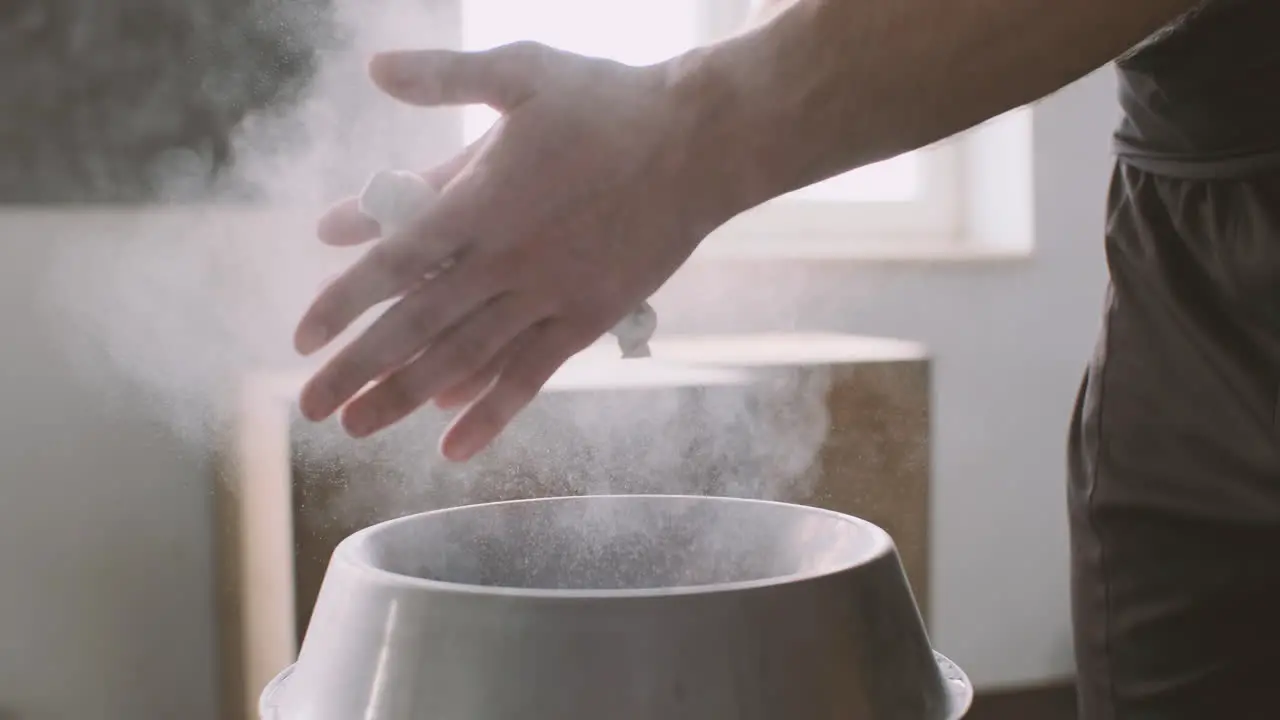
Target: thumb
{"x":501,"y":78}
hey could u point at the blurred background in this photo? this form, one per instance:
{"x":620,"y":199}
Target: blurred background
{"x":237,"y":119}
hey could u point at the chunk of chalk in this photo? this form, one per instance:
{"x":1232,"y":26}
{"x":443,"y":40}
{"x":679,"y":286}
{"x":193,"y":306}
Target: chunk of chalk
{"x":635,"y":330}
{"x":395,"y":198}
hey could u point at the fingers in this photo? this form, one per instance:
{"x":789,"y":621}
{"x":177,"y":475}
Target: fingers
{"x":524,"y":374}
{"x":469,"y":389}
{"x":393,"y":339}
{"x":457,"y":354}
{"x":344,"y":224}
{"x":388,"y":269}
{"x":501,"y":78}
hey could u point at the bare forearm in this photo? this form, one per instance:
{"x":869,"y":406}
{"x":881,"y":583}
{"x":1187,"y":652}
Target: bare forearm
{"x":824,"y":86}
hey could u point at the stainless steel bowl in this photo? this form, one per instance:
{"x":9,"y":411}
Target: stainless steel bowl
{"x":632,"y":607}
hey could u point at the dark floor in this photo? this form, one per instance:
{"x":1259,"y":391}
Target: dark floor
{"x":1050,"y":702}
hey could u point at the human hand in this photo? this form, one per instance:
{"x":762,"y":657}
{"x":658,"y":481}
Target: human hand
{"x":576,"y":206}
{"x":394,"y":198}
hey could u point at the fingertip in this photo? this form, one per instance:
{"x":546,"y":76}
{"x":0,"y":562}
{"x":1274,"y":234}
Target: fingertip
{"x":453,"y":451}
{"x":344,"y":224}
{"x":461,"y":441}
{"x":357,"y":424}
{"x":309,"y":338}
{"x":309,"y":413}
{"x":396,"y":71}
{"x":310,"y":404}
{"x":387,"y":62}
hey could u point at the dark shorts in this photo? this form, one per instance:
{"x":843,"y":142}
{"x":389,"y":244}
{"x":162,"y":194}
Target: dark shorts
{"x":1175,"y":458}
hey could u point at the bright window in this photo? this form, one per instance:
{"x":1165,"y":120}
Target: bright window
{"x":913,"y":195}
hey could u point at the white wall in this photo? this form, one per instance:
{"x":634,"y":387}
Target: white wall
{"x":1009,"y":340}
{"x":106,"y":604}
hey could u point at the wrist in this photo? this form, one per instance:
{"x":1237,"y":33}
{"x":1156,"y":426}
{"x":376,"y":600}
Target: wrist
{"x":717,"y":138}
{"x":762,"y":117}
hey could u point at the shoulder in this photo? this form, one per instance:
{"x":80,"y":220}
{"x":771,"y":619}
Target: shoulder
{"x":1186,"y":27}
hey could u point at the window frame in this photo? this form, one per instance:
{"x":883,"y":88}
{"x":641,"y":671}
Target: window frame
{"x":936,"y":217}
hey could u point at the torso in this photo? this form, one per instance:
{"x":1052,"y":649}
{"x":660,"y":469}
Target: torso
{"x":1202,"y":97}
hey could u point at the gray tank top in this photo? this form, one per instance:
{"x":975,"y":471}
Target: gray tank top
{"x":1201,"y":98}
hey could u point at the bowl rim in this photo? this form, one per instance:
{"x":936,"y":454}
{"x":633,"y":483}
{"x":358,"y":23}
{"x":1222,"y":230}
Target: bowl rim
{"x":346,"y":553}
{"x":958,"y":687}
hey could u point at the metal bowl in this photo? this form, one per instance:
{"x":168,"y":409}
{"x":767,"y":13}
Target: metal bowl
{"x":631,"y":607}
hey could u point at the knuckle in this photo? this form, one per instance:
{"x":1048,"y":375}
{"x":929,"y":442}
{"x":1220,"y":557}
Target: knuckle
{"x":522,"y":51}
{"x":524,"y":58}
